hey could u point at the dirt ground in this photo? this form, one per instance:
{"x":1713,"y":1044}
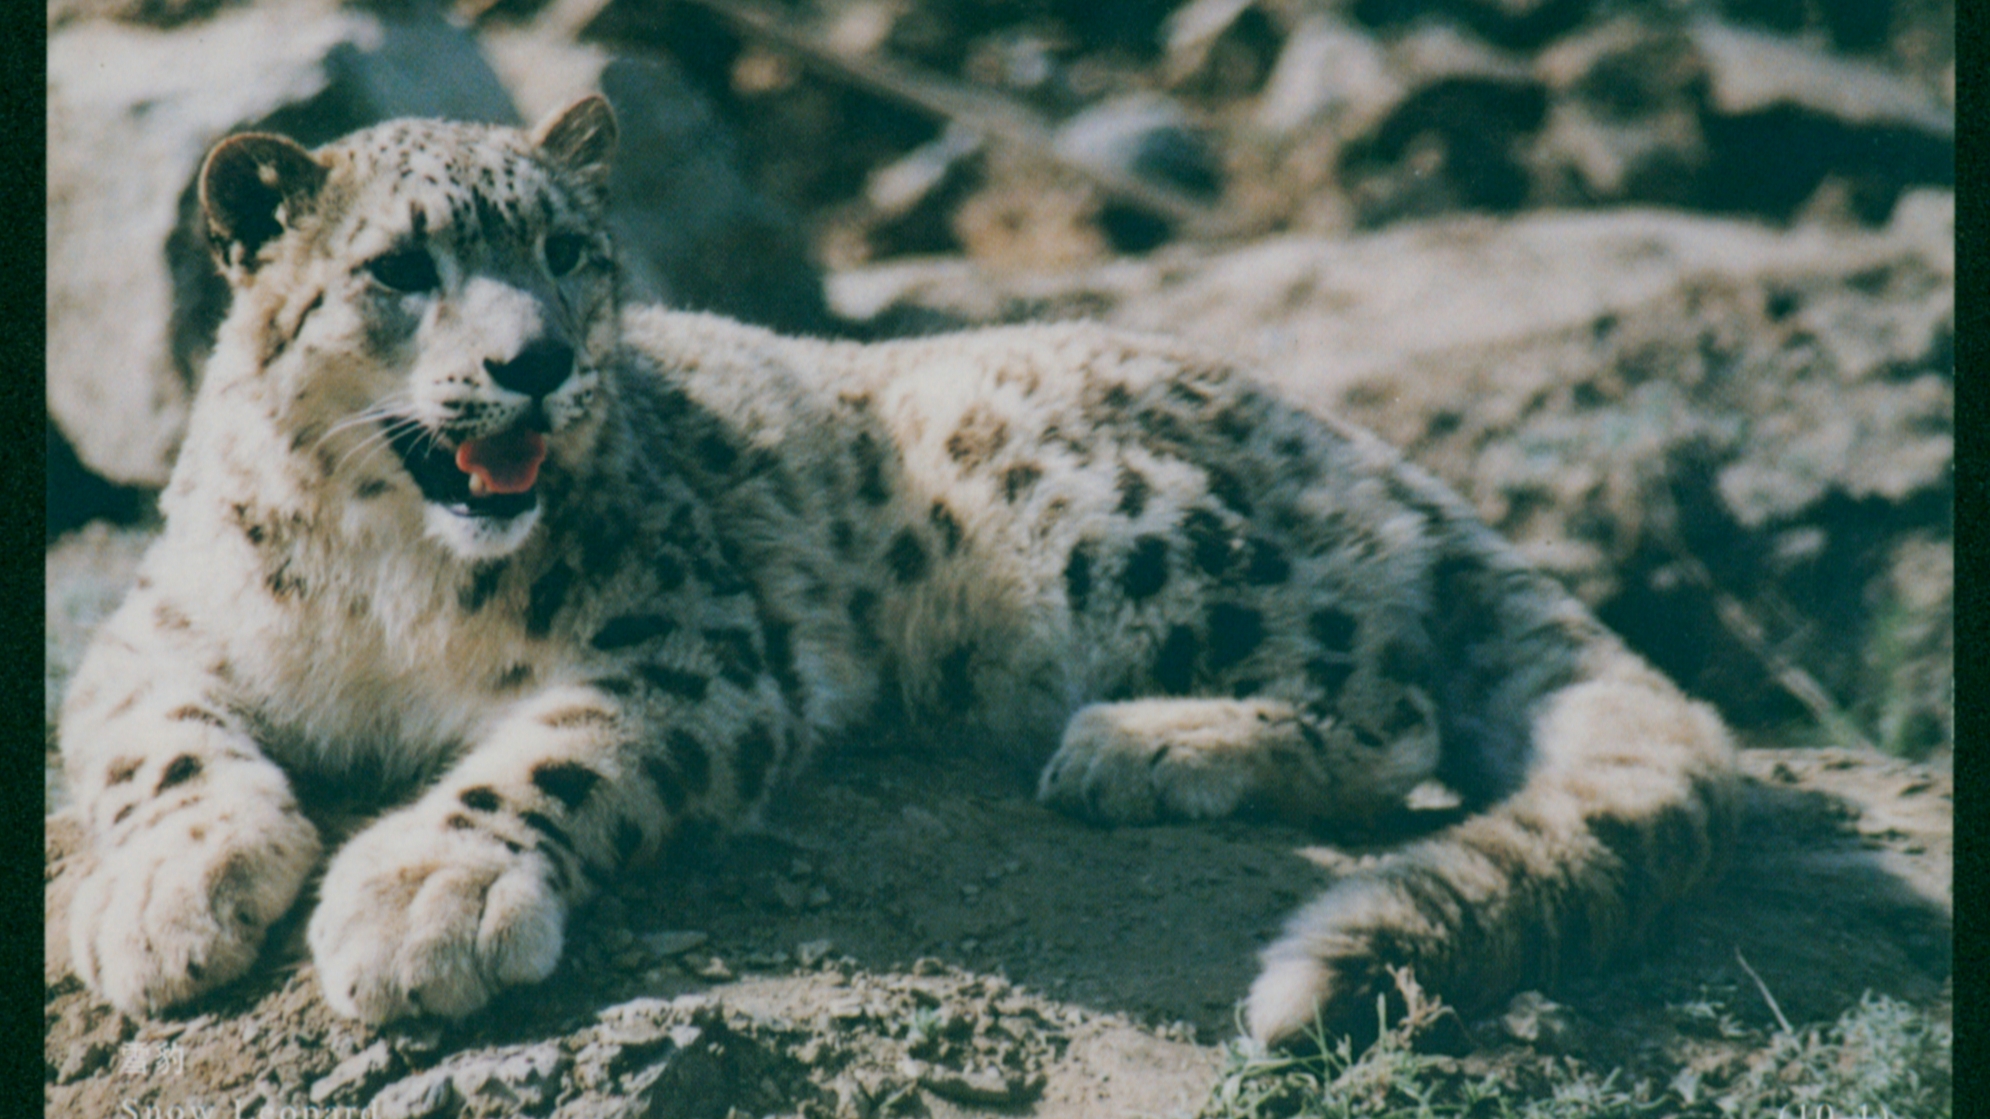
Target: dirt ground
{"x":911,"y":936}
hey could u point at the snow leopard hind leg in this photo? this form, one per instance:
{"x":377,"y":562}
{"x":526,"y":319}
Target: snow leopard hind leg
{"x":1601,"y":794}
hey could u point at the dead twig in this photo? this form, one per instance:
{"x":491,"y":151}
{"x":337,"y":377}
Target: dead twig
{"x":1801,"y":686}
{"x":561,"y":19}
{"x":1764,"y":988}
{"x":976,"y":109}
{"x":1742,"y":625}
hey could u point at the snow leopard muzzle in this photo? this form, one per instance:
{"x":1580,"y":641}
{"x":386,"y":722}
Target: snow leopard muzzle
{"x":495,"y":477}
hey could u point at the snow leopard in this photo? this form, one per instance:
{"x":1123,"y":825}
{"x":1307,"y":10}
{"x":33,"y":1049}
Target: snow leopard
{"x":575,"y":577}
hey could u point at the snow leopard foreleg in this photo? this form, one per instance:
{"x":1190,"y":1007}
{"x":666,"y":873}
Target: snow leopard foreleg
{"x":197,"y":843}
{"x":438,"y":906}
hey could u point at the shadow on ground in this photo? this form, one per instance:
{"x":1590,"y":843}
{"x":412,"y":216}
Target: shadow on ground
{"x":907,"y":936}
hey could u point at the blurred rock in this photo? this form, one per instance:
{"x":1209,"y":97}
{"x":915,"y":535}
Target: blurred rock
{"x":1906,"y":688}
{"x":85,"y":575}
{"x":1751,"y":72}
{"x":76,"y":497}
{"x":1510,"y":24}
{"x":691,"y":232}
{"x":1220,"y":48}
{"x":132,"y":299}
{"x":896,"y":188}
{"x":1785,"y":119}
{"x":1625,"y":118}
{"x":1031,"y":217}
{"x":1326,"y":314}
{"x":909,"y":204}
{"x":1852,"y":25}
{"x":1194,"y":28}
{"x":1328,"y":71}
{"x":1645,"y":108}
{"x":1130,"y":27}
{"x":1139,"y":136}
{"x":149,"y":13}
{"x":1145,"y":135}
{"x":1017,"y":60}
{"x":421,"y":1096}
{"x":1774,"y":430}
{"x":1438,"y":51}
{"x":1455,"y":141}
{"x":1333,"y":117}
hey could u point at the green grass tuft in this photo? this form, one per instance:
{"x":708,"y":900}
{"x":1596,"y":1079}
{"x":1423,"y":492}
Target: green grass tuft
{"x":1881,"y":1058}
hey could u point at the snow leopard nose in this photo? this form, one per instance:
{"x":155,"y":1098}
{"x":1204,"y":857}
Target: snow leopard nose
{"x":537,"y":370}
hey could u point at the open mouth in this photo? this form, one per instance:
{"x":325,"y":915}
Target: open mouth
{"x":494,"y":477}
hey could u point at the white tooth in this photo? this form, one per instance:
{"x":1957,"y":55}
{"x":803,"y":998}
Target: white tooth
{"x":478,"y":488}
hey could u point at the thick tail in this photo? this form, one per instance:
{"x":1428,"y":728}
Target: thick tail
{"x":1629,"y":803}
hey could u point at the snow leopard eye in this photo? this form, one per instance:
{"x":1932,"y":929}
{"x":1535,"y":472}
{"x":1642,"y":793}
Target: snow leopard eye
{"x":409,"y":270}
{"x":563,"y":252}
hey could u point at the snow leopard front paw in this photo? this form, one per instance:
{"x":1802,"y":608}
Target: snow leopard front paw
{"x":179,"y":905}
{"x":1153,"y":759}
{"x":418,"y":915}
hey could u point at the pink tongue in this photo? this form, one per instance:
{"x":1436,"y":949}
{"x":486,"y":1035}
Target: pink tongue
{"x":508,"y":463}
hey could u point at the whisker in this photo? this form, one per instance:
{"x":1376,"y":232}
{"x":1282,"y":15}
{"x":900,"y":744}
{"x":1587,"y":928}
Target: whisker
{"x":381,"y":437}
{"x":386,"y":408}
{"x":346,"y":425}
{"x":430,"y":439}
{"x":386,"y":404}
{"x":364,"y":449}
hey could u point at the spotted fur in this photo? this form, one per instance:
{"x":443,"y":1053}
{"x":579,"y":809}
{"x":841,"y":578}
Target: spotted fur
{"x":1113,"y":555}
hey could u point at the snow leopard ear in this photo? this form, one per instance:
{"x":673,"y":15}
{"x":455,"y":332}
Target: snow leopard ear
{"x":580,"y":138}
{"x":252,"y":188}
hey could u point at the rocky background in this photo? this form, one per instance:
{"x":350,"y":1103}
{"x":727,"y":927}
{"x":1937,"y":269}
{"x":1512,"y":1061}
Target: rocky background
{"x":1665,"y":288}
